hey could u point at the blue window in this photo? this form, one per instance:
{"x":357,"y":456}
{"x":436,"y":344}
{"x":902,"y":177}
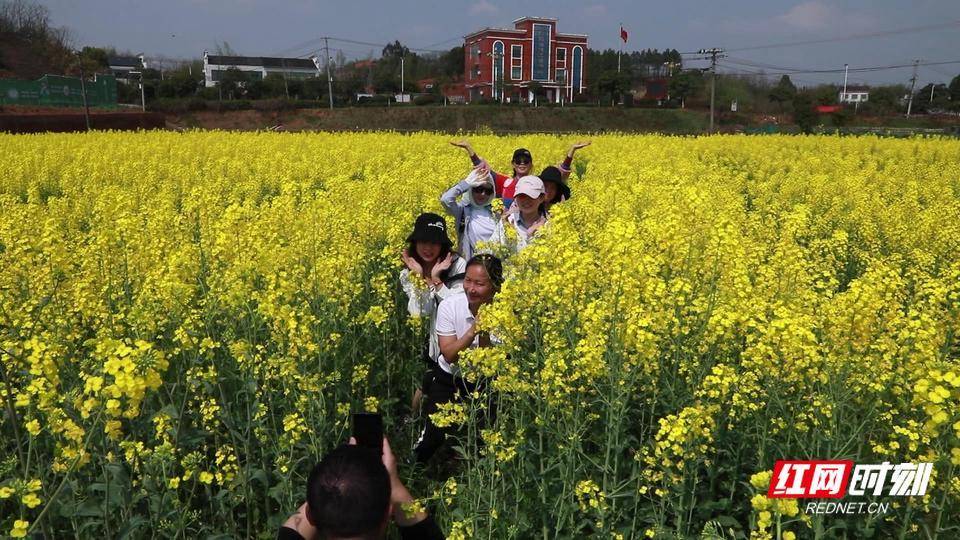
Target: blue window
{"x":577,"y":62}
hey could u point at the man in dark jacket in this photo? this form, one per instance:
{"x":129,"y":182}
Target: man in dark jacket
{"x":352,"y":493}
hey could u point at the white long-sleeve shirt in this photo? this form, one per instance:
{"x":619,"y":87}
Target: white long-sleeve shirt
{"x":479,"y":224}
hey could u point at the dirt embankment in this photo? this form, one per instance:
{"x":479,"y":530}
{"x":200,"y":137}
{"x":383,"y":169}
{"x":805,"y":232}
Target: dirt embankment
{"x":449,"y":119}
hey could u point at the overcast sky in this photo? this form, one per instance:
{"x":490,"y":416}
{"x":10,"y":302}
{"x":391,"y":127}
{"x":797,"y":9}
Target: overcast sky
{"x":925,"y":29}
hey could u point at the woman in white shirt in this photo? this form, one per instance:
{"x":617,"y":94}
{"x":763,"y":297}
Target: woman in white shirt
{"x":456,"y":332}
{"x":517,"y":227}
{"x":433,"y":273}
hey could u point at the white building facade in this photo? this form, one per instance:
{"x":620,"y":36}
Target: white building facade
{"x":855,"y":95}
{"x":258,"y":67}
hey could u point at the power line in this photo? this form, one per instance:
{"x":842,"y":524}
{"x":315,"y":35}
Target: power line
{"x":298,"y":46}
{"x":382,"y":45}
{"x":941,"y":72}
{"x":444,"y":42}
{"x":791,"y":71}
{"x":312,"y":43}
{"x":854,"y":37}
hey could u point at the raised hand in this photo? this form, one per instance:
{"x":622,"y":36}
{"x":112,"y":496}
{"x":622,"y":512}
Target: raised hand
{"x":479,"y":176}
{"x":411,"y":263}
{"x":463,"y":143}
{"x":441,"y":265}
{"x":578,"y":145}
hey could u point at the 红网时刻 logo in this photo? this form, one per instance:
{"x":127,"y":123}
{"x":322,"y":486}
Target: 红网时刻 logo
{"x":826,"y":479}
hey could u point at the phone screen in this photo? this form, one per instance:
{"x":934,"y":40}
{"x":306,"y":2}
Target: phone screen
{"x":368,"y":430}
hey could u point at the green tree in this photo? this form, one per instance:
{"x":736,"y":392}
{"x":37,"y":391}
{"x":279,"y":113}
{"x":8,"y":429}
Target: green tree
{"x":732,"y":88}
{"x":395,"y":49}
{"x":932,"y":96}
{"x":231,"y":83}
{"x":825,"y":94}
{"x":804,"y":114}
{"x":886,"y":99}
{"x":178,"y":84}
{"x":313,"y":88}
{"x":783,"y":92}
{"x":275,"y":85}
{"x":955,"y":89}
{"x":613,"y":85}
{"x":686,"y":84}
{"x":94,"y":59}
{"x":451,"y":63}
{"x":842,"y":117}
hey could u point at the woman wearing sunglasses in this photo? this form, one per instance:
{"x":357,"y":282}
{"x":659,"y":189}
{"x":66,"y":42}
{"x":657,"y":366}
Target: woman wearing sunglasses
{"x":522,"y":163}
{"x":473,"y":213}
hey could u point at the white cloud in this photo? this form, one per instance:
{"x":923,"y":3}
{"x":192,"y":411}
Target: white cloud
{"x":595,"y":10}
{"x":819,"y":15}
{"x":812,"y":15}
{"x":483,"y":8}
{"x":809,"y":19}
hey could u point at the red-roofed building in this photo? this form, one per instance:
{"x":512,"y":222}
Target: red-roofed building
{"x":503,"y":63}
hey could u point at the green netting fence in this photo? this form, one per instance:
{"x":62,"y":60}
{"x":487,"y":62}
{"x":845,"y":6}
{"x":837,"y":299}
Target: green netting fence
{"x":57,"y":91}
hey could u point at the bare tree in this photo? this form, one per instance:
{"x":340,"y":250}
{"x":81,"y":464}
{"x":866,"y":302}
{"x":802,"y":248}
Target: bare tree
{"x":223,"y":48}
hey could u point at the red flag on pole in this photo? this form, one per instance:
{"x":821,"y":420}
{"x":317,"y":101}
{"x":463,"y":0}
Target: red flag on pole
{"x":623,"y":34}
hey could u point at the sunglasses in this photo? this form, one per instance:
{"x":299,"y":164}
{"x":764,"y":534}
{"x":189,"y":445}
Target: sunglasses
{"x":483,"y":190}
{"x":523,"y":161}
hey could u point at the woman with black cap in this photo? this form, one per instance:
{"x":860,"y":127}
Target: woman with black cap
{"x":433,"y":273}
{"x":556,"y":188}
{"x":522,"y":163}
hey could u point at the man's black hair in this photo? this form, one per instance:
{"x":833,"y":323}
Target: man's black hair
{"x":348,"y":493}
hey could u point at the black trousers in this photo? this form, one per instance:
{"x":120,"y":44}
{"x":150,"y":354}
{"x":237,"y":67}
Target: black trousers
{"x":440,"y":387}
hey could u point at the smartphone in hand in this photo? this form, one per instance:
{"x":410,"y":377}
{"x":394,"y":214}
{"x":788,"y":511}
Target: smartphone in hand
{"x":368,"y":430}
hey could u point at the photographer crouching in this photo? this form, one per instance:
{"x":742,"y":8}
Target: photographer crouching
{"x":352,"y":493}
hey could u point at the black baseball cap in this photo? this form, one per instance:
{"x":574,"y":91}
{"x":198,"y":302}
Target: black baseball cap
{"x":522,"y":154}
{"x":430,"y":227}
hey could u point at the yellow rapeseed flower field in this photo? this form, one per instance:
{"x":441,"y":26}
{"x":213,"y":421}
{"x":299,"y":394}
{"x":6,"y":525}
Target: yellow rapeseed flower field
{"x":187,"y":321}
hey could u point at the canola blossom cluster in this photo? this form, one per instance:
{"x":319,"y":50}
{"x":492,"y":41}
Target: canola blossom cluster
{"x":187,"y":321}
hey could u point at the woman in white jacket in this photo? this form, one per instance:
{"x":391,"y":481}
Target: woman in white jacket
{"x":525,"y":217}
{"x":474,"y":217}
{"x":433,"y":273}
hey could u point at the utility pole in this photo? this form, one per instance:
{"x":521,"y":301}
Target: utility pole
{"x":913,"y":84}
{"x":843,"y":96}
{"x":326,"y":51}
{"x":714,"y":54}
{"x":401,"y":78}
{"x":83,"y":92}
{"x":499,"y":86}
{"x":670,"y":66}
{"x":143,"y":98}
{"x":932,"y":86}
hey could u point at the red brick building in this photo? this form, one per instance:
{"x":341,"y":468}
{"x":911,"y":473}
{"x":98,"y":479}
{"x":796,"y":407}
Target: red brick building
{"x":503,"y":63}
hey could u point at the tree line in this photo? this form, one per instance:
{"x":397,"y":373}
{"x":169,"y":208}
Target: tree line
{"x":31,"y":46}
